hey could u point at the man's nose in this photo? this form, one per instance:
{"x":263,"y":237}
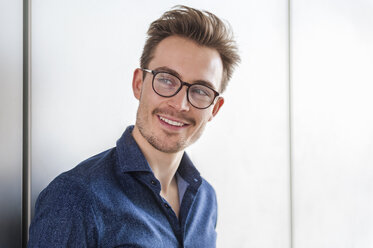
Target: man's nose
{"x":180,"y":100}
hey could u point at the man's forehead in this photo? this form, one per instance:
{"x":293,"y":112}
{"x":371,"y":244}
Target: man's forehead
{"x":188,"y":60}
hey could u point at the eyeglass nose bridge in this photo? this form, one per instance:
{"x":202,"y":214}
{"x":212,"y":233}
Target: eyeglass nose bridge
{"x":181,"y":98}
{"x":181,"y":86}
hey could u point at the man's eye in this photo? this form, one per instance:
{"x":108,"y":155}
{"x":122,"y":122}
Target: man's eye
{"x":166,"y":81}
{"x":200,"y":91}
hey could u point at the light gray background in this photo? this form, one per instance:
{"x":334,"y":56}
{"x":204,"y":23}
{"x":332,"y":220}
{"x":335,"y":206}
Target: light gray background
{"x":10,"y":123}
{"x":315,"y":191}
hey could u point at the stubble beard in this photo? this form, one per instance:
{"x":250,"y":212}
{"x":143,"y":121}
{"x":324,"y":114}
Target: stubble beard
{"x":156,"y":142}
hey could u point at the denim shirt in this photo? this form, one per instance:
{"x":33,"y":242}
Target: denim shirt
{"x":113,"y":200}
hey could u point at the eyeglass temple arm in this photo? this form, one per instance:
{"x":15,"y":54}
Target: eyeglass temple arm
{"x":147,"y":70}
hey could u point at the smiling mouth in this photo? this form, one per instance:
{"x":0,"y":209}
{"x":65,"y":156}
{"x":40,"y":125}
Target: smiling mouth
{"x":171,"y":122}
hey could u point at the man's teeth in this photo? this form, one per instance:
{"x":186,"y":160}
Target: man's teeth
{"x":174,"y":123}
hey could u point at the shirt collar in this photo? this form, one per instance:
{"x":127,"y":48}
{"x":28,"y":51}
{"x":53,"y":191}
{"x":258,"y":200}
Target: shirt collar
{"x":131,"y":159}
{"x":129,"y":154}
{"x":188,"y":172}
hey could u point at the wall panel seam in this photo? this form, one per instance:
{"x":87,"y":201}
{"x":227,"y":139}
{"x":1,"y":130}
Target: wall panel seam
{"x":290,"y":102}
{"x":26,"y":122}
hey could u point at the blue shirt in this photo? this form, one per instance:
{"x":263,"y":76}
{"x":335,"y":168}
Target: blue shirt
{"x":113,"y":200}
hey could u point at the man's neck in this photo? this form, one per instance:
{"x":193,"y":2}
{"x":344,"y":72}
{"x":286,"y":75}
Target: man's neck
{"x":164,"y":165}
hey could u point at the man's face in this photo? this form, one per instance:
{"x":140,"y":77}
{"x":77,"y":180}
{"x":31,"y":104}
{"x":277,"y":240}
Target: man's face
{"x":172,"y":124}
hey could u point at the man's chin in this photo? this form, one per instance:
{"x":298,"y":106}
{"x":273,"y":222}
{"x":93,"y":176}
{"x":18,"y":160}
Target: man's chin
{"x":164,"y":143}
{"x":167,"y":148}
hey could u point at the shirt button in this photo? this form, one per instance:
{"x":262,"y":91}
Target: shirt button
{"x":153,"y":182}
{"x":166,"y":205}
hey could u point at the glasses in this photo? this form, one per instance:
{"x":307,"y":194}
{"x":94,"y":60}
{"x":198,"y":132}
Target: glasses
{"x":165,"y":84}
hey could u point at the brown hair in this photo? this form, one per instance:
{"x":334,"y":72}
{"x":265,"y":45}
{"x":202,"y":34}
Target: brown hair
{"x":203,"y":27}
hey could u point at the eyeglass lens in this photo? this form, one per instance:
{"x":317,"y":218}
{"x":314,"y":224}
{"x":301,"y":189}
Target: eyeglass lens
{"x":167,"y":85}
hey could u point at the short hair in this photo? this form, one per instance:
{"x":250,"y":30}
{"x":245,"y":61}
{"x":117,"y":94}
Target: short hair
{"x":202,"y":27}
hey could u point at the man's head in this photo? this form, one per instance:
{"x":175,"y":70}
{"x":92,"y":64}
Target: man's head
{"x":186,"y":49}
{"x":202,"y":27}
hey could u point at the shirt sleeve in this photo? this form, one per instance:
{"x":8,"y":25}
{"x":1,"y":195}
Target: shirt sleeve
{"x":64,"y":216}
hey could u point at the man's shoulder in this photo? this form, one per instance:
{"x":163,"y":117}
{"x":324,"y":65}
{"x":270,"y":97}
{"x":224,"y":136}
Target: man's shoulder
{"x":207,"y":189}
{"x":206,"y":184}
{"x":93,"y":167}
{"x":85,"y":175}
{"x":65,"y":210}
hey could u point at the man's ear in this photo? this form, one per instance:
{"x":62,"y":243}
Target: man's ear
{"x":137,"y":83}
{"x":217,"y":107}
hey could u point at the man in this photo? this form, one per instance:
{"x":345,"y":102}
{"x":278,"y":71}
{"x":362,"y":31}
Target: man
{"x":146,"y":192}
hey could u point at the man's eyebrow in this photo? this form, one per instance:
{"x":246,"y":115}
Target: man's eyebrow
{"x":175,"y":73}
{"x":169,"y":70}
{"x":206,"y":83}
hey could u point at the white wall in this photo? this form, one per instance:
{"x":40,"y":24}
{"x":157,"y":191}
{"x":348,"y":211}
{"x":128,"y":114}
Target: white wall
{"x":83,"y":56}
{"x":332,"y":79}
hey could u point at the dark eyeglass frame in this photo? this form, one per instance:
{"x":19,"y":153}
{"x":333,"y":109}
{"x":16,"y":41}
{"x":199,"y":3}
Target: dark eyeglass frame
{"x":188,"y":85}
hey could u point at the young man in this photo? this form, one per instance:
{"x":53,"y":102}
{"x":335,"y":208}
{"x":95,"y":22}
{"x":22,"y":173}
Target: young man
{"x":146,"y":192}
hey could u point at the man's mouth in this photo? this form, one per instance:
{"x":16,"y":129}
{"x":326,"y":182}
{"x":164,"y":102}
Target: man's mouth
{"x":171,"y":122}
